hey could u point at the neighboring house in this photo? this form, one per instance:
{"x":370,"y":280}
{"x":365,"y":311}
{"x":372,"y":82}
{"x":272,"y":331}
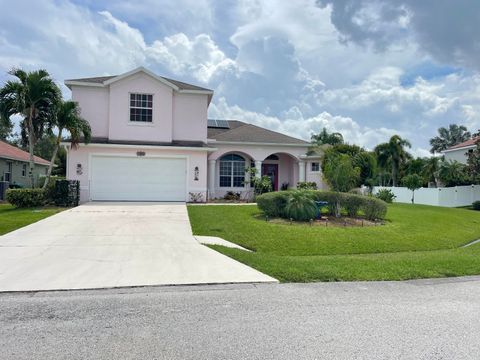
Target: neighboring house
{"x":152,"y":141}
{"x":460,"y":151}
{"x":14,"y":165}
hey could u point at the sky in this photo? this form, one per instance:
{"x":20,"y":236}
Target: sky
{"x":366,"y":68}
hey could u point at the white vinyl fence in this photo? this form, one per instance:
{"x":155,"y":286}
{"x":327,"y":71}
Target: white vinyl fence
{"x":445,"y":196}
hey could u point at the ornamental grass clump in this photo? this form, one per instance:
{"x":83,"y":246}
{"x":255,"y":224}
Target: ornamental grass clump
{"x":300,"y":206}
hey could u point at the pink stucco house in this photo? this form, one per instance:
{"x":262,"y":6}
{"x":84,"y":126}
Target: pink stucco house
{"x":152,"y":141}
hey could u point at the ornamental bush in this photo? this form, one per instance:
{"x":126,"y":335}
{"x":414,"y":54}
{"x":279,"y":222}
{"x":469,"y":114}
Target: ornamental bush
{"x":476,"y":205}
{"x":273,"y":203}
{"x":297,"y":204}
{"x":300,"y":206}
{"x":374,"y":209}
{"x":386,"y":195}
{"x":67,"y":193}
{"x":307,"y":185}
{"x":24,"y":198}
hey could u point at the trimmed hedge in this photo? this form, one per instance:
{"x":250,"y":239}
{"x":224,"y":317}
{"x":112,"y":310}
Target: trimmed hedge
{"x":50,"y":189}
{"x":476,"y":205}
{"x":67,"y":193}
{"x":275,"y":204}
{"x":24,"y":198}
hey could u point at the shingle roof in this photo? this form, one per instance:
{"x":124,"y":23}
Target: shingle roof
{"x":101,"y":79}
{"x":11,"y":152}
{"x":244,"y":132}
{"x":469,"y":142}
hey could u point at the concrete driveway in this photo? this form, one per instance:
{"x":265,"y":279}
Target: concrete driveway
{"x":102,"y":245}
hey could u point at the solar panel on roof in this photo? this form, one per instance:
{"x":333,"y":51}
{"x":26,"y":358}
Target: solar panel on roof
{"x":223,"y":124}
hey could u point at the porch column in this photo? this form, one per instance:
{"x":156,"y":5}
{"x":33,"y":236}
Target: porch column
{"x":211,"y":178}
{"x":301,"y":171}
{"x":258,"y":168}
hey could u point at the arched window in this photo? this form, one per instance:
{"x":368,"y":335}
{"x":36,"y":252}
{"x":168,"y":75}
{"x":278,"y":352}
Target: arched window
{"x":272,"y":157}
{"x":232,"y":171}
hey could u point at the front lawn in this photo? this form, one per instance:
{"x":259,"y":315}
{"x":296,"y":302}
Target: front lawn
{"x":12,"y":218}
{"x":416,"y":241}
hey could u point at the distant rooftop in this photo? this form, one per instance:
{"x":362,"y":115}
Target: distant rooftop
{"x":469,"y":143}
{"x":11,"y":152}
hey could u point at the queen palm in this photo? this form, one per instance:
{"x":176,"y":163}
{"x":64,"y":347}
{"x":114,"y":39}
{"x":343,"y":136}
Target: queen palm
{"x":33,"y":96}
{"x":392,"y":153}
{"x":67,"y":118}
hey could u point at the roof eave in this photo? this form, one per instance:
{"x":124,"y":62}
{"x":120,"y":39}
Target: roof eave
{"x":220,"y":142}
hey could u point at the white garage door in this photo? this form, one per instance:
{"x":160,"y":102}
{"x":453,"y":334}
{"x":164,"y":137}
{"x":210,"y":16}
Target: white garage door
{"x":137,"y":179}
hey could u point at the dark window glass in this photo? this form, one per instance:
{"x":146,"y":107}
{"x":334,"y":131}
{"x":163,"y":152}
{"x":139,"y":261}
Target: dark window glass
{"x":141,"y":107}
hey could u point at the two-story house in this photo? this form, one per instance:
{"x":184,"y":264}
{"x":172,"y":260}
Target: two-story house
{"x":152,"y":141}
{"x":460,"y":151}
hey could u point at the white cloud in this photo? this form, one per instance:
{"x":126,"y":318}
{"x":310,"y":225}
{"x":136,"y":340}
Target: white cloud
{"x":296,"y":125}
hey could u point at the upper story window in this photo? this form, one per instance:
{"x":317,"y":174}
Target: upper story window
{"x":141,"y":107}
{"x":315,"y":166}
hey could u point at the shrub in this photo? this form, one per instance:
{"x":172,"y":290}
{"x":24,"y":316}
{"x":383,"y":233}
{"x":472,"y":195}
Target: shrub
{"x":476,"y":205}
{"x":273,"y":203}
{"x":300,"y":206}
{"x":230,"y":195}
{"x":307,"y":185}
{"x":386,"y":195}
{"x":352,"y":203}
{"x":280,"y":204}
{"x":67,"y":192}
{"x":25,"y":197}
{"x":50,"y":189}
{"x":374,"y":209}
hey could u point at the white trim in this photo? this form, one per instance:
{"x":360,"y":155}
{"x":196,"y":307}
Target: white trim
{"x":128,"y":155}
{"x":138,"y":70}
{"x":22,"y":161}
{"x":212,"y":141}
{"x":460,"y":148}
{"x":129,"y":146}
{"x":69,"y":83}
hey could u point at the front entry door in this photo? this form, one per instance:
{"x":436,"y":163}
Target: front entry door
{"x":271,"y":170}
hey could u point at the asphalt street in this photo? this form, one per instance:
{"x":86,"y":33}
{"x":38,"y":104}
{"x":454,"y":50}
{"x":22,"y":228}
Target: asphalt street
{"x":425,"y":319}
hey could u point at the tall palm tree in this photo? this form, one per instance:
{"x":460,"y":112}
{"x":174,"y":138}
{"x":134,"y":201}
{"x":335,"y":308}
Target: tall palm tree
{"x":393,"y":152}
{"x":324,"y":137}
{"x":455,"y":134}
{"x":33,"y":96}
{"x":67,"y":118}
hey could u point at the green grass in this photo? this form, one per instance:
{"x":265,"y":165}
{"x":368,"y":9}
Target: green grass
{"x":12,"y":218}
{"x":416,"y":242}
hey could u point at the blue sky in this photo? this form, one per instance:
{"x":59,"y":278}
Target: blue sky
{"x":366,"y":68}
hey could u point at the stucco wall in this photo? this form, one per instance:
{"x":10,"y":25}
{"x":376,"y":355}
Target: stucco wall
{"x":82,"y":156}
{"x":457,"y":155}
{"x":288,"y":171}
{"x":315,"y":176}
{"x":93,"y":102}
{"x":190,"y":117}
{"x":120,"y":126}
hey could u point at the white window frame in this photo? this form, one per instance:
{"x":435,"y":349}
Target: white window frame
{"x":316,"y":163}
{"x":8,"y":172}
{"x":232,"y":175}
{"x":139,"y":107}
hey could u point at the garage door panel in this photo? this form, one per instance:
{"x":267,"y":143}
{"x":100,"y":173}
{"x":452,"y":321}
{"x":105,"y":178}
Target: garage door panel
{"x":138,"y":179}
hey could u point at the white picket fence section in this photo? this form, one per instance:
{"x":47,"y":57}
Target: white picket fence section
{"x":445,"y":196}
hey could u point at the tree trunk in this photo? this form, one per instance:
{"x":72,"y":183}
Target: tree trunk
{"x":394,"y":175}
{"x":413,"y":196}
{"x":54,"y":156}
{"x":31,"y":143}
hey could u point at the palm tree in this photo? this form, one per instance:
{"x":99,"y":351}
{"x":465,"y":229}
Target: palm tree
{"x":393,"y":153}
{"x":67,"y":117}
{"x":454,"y":135}
{"x":453,"y":173}
{"x":324,"y":137}
{"x":431,"y":169}
{"x":33,"y":96}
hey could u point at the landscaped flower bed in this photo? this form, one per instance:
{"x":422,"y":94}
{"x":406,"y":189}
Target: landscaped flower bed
{"x":301,"y":205}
